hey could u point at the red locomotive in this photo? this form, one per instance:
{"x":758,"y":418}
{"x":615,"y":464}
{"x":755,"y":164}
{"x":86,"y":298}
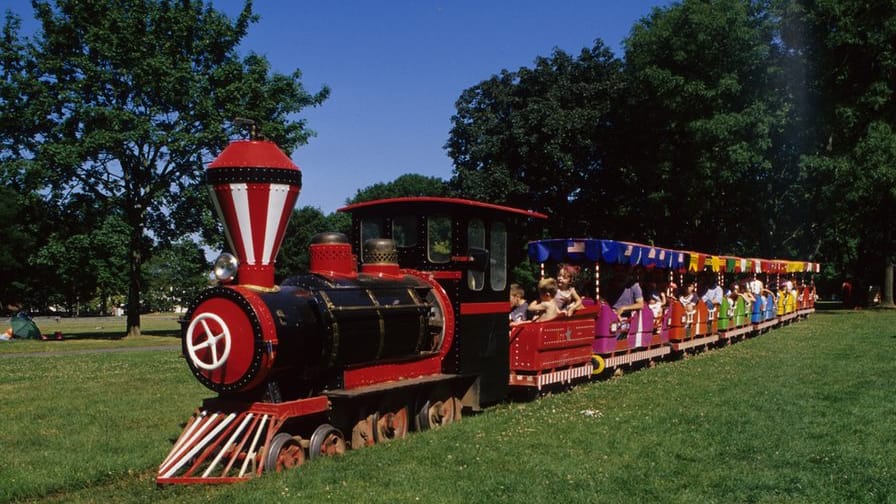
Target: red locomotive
{"x":347,"y":356}
{"x":339,"y":356}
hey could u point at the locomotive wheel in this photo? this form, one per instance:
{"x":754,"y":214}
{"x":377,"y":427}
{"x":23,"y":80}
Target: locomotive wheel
{"x":327,"y":441}
{"x":525,"y":394}
{"x":390,"y":425}
{"x":362,"y":433}
{"x":285,"y":452}
{"x":435,"y":414}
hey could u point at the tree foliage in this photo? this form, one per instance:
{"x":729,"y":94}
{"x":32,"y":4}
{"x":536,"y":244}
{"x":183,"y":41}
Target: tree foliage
{"x":704,"y":117}
{"x":536,"y":137}
{"x":409,"y":184}
{"x":127,"y":99}
{"x":304,"y":223}
{"x":175,"y":275}
{"x":763,"y":127}
{"x":21,"y":221}
{"x":84,"y":255}
{"x":733,"y":126}
{"x":849,"y":59}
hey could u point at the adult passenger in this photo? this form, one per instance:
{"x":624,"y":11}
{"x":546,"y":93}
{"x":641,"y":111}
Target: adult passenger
{"x":713,"y":295}
{"x":631,"y":297}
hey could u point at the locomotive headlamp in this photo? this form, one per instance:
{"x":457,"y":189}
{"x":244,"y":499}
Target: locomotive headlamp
{"x":226,"y":266}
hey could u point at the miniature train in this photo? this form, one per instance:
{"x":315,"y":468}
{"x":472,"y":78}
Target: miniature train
{"x":346,"y":356}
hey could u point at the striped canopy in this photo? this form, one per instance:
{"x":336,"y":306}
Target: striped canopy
{"x":649,"y":256}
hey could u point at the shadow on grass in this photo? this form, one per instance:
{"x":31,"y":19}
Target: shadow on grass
{"x":112,"y":336}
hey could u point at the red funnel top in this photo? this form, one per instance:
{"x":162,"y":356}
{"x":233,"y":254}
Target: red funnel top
{"x":254,"y":187}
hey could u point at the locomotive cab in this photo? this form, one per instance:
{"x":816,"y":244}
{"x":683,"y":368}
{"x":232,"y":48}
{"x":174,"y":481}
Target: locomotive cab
{"x":464,"y":246}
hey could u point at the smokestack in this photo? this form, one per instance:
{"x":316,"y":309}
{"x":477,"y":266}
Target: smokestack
{"x":254,"y":187}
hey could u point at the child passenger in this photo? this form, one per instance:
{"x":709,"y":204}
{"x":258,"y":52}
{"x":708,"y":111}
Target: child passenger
{"x":656,"y":300}
{"x":689,"y":298}
{"x":567,"y":299}
{"x":545,"y":308}
{"x":518,"y":305}
{"x":740,"y":291}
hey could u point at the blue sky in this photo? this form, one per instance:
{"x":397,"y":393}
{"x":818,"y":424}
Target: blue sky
{"x":395,"y":69}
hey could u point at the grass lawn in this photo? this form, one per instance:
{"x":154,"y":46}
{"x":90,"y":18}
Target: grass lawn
{"x":90,"y":333}
{"x":802,"y":414}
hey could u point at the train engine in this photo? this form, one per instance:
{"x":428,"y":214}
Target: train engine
{"x":297,"y":365}
{"x":313,"y":332}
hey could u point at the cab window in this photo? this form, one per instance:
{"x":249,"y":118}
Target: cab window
{"x":438,"y":239}
{"x":371,"y":228}
{"x":476,"y":238}
{"x":498,"y":256}
{"x":404,"y":230}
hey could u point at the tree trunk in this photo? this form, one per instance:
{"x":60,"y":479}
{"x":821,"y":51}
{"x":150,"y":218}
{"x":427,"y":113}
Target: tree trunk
{"x":134,"y":280}
{"x":886,"y":294}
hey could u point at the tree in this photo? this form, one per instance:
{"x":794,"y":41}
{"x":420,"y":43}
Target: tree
{"x":304,"y":223}
{"x":109,"y":260}
{"x":705,"y":116}
{"x":535,"y":137}
{"x":850,"y":163}
{"x":23,"y":211}
{"x":130,"y":98}
{"x":20,"y":241}
{"x":82,"y":255}
{"x":175,"y":276}
{"x":409,"y":184}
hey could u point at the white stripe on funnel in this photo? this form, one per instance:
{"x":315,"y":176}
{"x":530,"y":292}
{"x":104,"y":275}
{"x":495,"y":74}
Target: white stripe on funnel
{"x":244,"y":219}
{"x":222,"y":218}
{"x":276,"y":201}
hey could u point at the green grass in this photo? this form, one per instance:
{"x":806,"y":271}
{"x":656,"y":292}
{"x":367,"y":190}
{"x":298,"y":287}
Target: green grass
{"x":91,"y":333}
{"x":803,"y":414}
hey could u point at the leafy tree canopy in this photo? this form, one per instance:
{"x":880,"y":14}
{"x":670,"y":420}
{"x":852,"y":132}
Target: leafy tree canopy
{"x":175,"y":276}
{"x":304,"y":223}
{"x":850,"y":164}
{"x":532,"y":138}
{"x":410,"y":184}
{"x":703,"y":115}
{"x":125,"y":100}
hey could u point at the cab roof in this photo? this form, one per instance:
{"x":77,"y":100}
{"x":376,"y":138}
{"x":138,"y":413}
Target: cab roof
{"x":436,"y":202}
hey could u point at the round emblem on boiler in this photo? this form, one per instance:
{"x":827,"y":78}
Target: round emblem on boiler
{"x":223,"y":318}
{"x":212,"y":329}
